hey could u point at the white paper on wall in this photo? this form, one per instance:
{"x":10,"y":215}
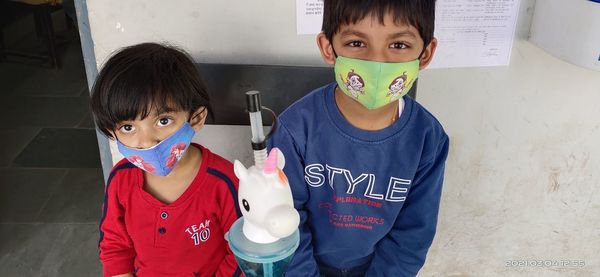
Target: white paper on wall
{"x":309,"y":16}
{"x":469,"y":32}
{"x":474,"y":32}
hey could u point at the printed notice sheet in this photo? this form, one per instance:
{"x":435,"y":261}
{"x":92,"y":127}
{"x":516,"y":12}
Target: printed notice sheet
{"x":469,"y":32}
{"x":474,"y":32}
{"x":309,"y":16}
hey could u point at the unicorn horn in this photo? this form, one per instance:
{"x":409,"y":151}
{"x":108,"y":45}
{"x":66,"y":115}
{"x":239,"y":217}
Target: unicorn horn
{"x":271,"y":163}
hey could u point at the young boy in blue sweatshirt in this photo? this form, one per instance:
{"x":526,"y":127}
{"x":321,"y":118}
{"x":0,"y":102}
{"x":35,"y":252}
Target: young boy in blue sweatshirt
{"x":365,"y":162}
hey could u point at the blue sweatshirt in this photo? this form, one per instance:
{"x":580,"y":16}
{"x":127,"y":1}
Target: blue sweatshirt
{"x":363,"y":196}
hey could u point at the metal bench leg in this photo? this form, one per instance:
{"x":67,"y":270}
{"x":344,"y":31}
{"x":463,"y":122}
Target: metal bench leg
{"x":46,"y":17}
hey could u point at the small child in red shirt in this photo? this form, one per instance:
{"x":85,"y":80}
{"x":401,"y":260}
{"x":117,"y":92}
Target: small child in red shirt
{"x":168,"y":204}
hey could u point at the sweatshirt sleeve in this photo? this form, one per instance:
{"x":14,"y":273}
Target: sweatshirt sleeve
{"x":303,"y":263}
{"x":229,"y":215}
{"x":116,"y":248}
{"x":403,"y":250}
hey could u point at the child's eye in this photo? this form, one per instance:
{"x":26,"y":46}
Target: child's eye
{"x":127,"y":129}
{"x":356,"y":43}
{"x":165,"y":121}
{"x":398,"y":45}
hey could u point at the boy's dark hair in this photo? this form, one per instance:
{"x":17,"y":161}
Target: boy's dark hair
{"x":418,"y":13}
{"x":144,"y":78}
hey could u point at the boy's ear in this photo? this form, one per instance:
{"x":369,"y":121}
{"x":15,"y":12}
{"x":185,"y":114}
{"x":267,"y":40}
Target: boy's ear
{"x":326,"y":48}
{"x":198,"y":118}
{"x":428,"y":54}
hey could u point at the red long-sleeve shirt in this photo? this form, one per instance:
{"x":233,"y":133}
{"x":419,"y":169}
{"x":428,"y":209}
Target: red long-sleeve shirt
{"x":140,"y":234}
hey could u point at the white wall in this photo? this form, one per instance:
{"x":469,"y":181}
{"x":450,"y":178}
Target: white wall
{"x":555,"y":26}
{"x":521,"y":178}
{"x":228,"y":31}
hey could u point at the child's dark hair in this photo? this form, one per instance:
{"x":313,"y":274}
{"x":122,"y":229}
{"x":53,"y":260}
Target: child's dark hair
{"x":144,"y":78}
{"x":418,"y":13}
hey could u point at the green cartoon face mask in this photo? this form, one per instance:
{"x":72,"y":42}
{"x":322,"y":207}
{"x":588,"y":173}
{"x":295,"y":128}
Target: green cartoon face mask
{"x":375,"y":84}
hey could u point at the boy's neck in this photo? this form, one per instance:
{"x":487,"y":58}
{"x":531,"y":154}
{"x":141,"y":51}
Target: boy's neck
{"x":363,"y":118}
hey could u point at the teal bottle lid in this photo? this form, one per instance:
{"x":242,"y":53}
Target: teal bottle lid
{"x":254,"y":252}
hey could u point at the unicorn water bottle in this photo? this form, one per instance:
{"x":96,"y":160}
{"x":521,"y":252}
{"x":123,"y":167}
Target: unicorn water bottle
{"x":265,"y":238}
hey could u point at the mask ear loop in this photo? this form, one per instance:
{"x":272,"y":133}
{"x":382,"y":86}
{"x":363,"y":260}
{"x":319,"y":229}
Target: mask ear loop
{"x":201,"y":112}
{"x":116,"y":138}
{"x":115,"y":135}
{"x":422,"y":51}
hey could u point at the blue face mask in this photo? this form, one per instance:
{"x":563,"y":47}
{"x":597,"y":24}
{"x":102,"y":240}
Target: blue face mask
{"x":160,"y":159}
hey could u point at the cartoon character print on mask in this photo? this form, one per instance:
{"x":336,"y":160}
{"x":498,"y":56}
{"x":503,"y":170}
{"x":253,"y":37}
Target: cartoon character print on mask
{"x":139,"y":162}
{"x":176,"y":154}
{"x":398,"y":85}
{"x":354,"y":83}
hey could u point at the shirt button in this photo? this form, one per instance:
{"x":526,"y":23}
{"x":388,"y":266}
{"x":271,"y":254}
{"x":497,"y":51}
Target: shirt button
{"x":162,"y":230}
{"x":164,"y":215}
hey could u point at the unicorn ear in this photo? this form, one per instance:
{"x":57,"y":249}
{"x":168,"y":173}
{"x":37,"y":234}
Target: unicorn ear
{"x":280,"y":157}
{"x":280,"y":160}
{"x":240,"y":170}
